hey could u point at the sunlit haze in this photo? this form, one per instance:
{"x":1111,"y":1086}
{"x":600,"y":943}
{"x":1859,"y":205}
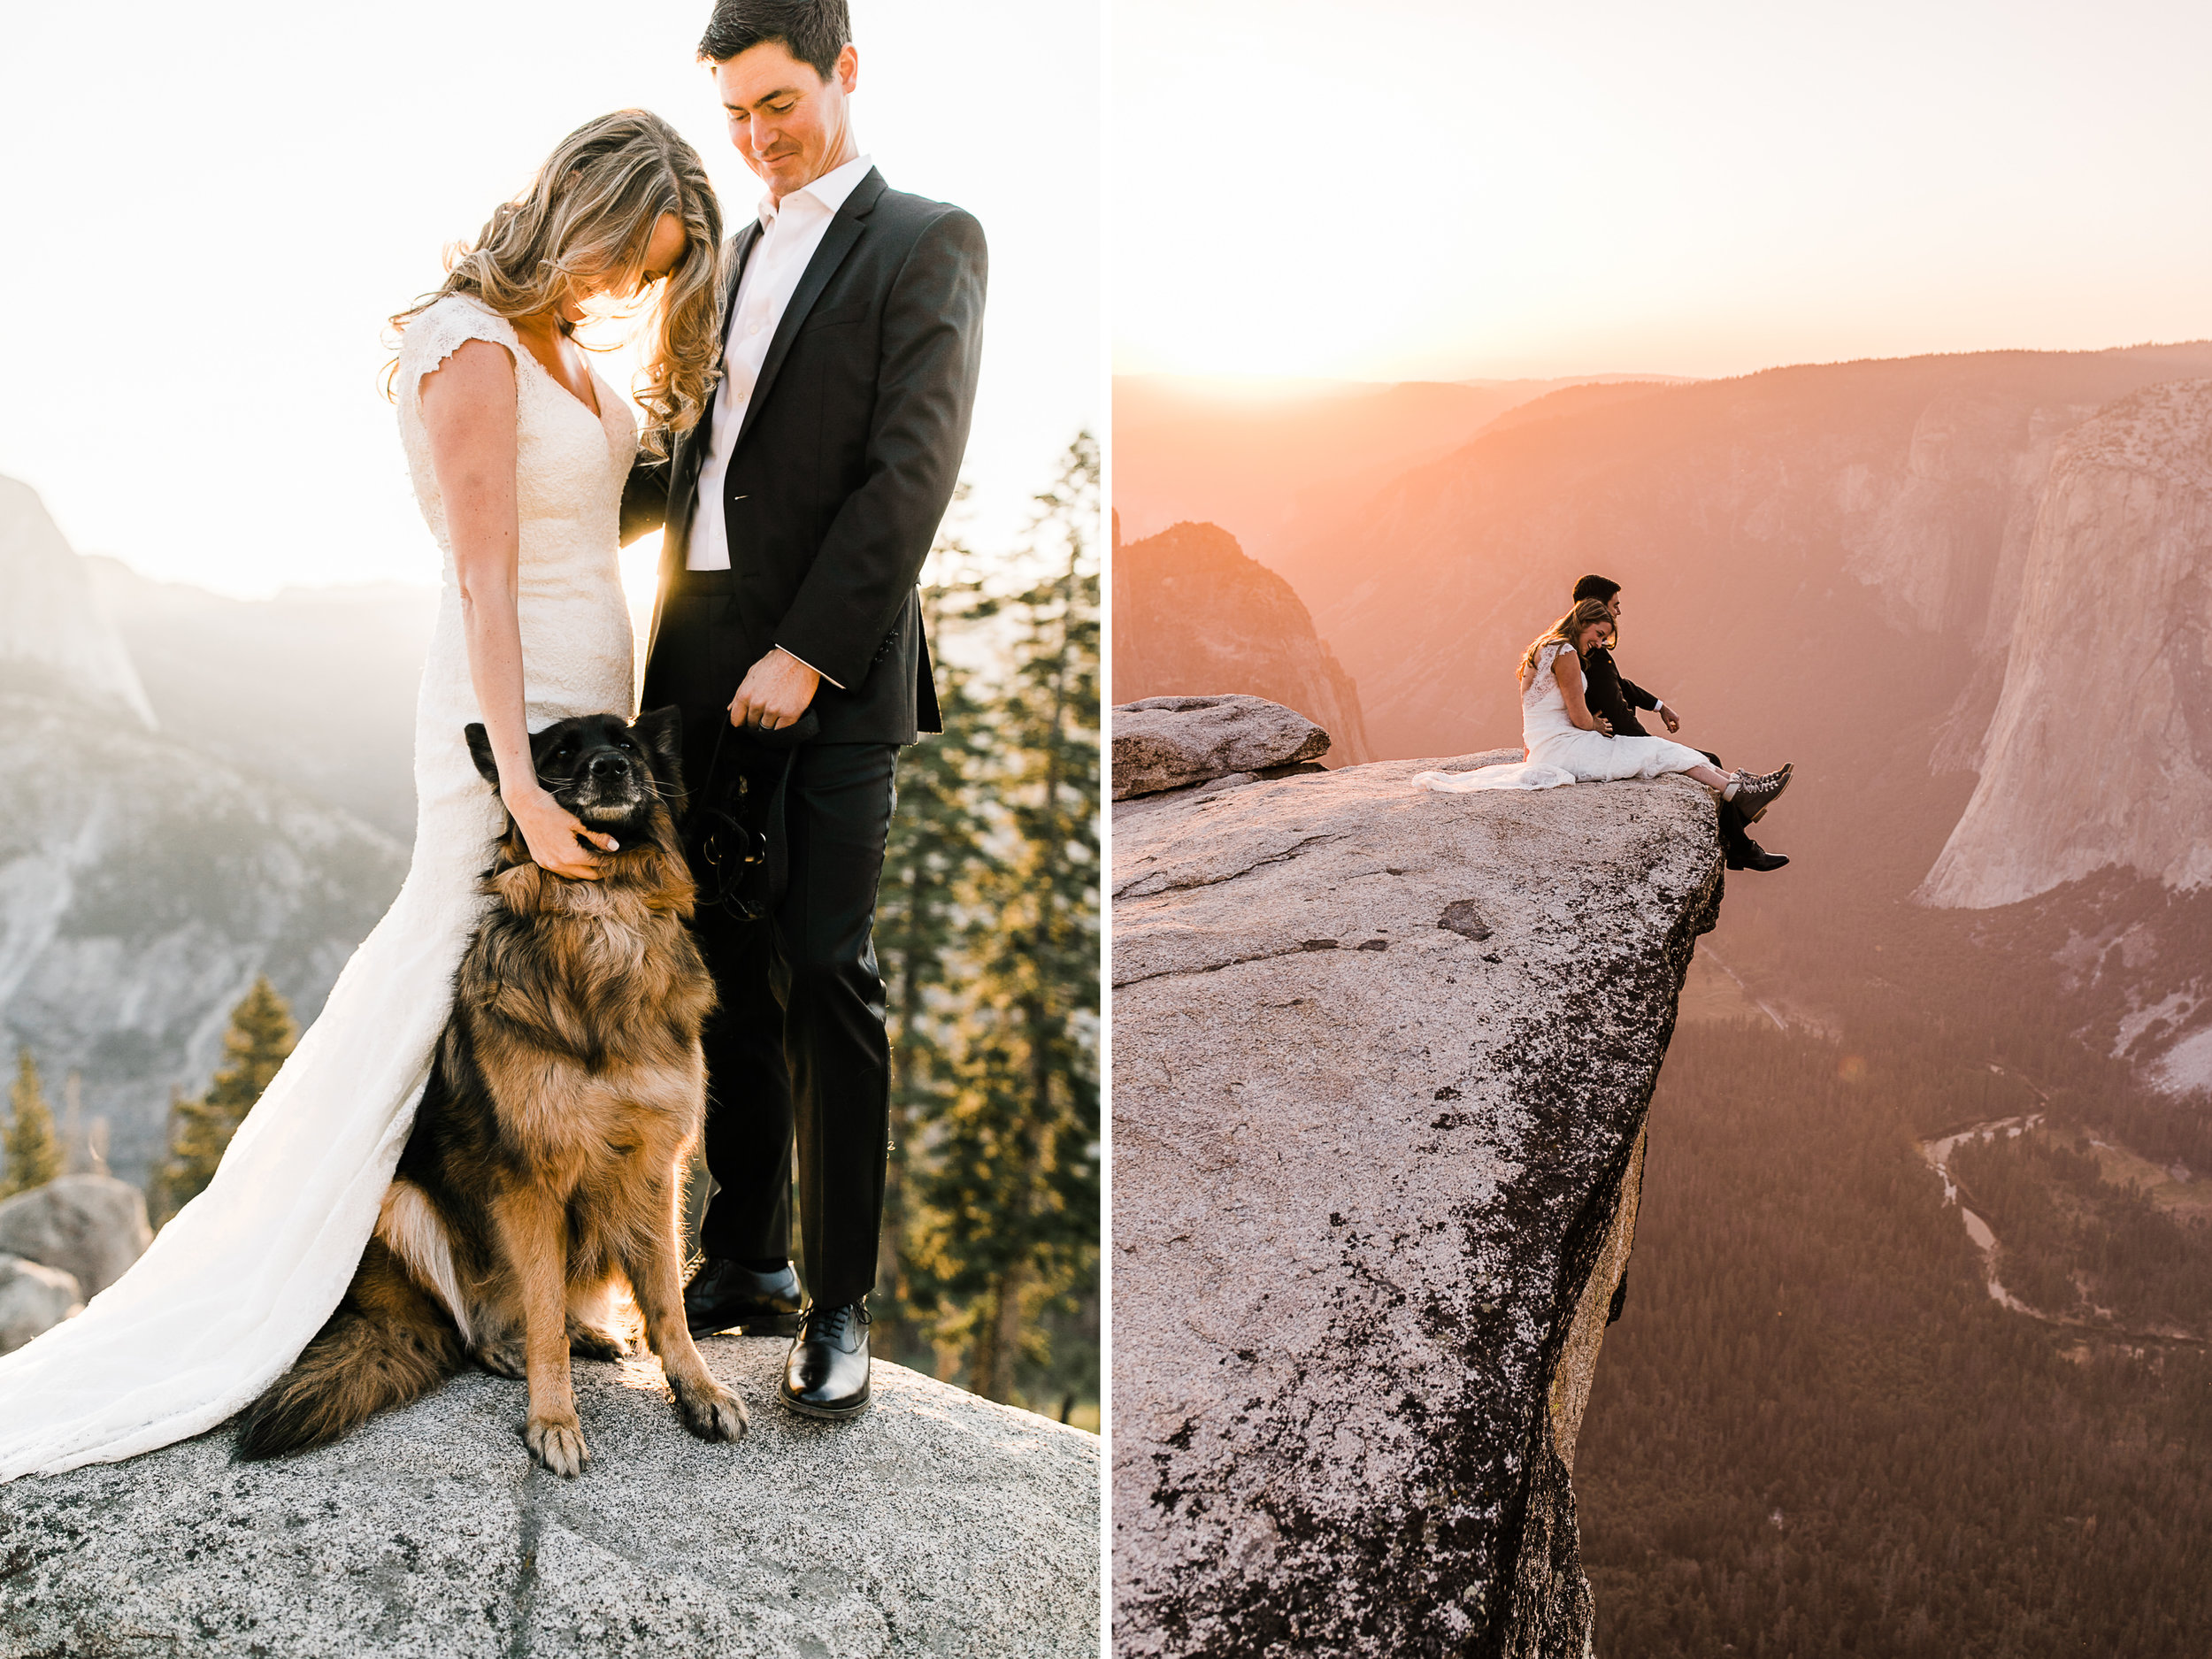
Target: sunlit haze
{"x":1427,"y":189}
{"x":211,"y":210}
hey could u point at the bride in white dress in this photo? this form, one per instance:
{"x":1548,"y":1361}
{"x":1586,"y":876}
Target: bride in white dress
{"x":1567,"y":743}
{"x":519,"y":453}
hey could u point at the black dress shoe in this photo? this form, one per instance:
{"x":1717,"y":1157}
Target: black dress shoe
{"x":725,"y":1295}
{"x":1751,"y":856}
{"x":1738,"y":851}
{"x":826,"y":1375}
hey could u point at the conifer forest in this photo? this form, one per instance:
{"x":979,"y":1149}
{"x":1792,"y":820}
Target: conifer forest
{"x":987,"y":936}
{"x":1815,"y":1430}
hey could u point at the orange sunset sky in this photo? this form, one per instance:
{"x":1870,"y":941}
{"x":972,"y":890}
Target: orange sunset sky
{"x":1424,"y":189}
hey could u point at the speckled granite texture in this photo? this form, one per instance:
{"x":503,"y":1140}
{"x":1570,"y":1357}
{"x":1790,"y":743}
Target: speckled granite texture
{"x":937,"y":1524}
{"x":1381,"y":1062}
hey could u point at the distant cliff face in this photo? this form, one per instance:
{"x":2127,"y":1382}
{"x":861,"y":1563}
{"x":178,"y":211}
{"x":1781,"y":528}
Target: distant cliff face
{"x":55,"y":636}
{"x":1381,"y":1065}
{"x":2100,"y":754}
{"x":1193,"y":616}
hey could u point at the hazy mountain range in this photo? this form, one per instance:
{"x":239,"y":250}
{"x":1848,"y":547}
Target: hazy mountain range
{"x":1275,"y":463}
{"x":182,"y":767}
{"x":314,"y":688}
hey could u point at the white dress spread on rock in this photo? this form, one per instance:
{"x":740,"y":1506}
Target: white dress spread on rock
{"x":241,"y":1279}
{"x":1560,"y":751}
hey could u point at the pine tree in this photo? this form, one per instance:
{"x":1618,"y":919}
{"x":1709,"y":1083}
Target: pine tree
{"x":261,"y":1035}
{"x":1014,"y":1190}
{"x":34,"y":1149}
{"x":936,"y":850}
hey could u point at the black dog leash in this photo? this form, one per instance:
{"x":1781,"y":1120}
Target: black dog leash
{"x":740,"y":868}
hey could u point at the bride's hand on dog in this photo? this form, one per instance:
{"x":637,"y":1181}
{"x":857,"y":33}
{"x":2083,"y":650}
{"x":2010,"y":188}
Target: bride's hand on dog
{"x":553,"y":834}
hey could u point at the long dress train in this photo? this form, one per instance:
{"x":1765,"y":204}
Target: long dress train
{"x":1560,"y":752}
{"x":238,"y":1283}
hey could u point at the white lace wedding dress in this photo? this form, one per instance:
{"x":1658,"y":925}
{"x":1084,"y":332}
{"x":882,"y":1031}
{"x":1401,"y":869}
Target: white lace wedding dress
{"x":236,"y":1286}
{"x":1560,"y":751}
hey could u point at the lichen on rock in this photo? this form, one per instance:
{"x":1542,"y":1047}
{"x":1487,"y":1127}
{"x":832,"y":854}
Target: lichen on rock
{"x":1382,"y":1059}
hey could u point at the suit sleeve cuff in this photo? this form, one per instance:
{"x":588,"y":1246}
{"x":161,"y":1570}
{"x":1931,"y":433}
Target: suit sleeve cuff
{"x":802,"y":663}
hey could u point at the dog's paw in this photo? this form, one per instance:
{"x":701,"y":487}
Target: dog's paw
{"x":503,"y":1359}
{"x":710,"y":1411}
{"x":587,"y":1341}
{"x":558,"y":1445}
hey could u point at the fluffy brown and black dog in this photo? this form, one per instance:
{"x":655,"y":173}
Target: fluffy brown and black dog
{"x":566,"y":1092}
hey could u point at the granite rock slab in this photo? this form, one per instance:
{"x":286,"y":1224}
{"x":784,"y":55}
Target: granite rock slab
{"x":936,"y":1524}
{"x":1382,"y":1059}
{"x":1162,"y":744}
{"x":33,"y":1298}
{"x":91,"y":1226}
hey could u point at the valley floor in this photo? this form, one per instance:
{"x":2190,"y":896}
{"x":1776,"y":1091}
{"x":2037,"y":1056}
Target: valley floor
{"x":1814,"y":1432}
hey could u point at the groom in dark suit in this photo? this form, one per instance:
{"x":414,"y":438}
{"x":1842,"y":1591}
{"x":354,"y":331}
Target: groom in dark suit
{"x":1611,"y":693}
{"x":796,"y":517}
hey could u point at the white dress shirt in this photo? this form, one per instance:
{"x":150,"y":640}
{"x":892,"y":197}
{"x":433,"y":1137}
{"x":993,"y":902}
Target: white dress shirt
{"x":791,"y":230}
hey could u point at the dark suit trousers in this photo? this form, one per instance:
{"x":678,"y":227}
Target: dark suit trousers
{"x":1734,"y":837}
{"x":797,"y":1049}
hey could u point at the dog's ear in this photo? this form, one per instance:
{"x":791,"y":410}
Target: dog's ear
{"x":662,"y":731}
{"x":480,"y":742}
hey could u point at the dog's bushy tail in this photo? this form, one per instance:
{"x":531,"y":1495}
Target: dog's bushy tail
{"x":389,"y":1342}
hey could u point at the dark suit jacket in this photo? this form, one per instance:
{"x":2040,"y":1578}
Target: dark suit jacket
{"x":845,"y":461}
{"x":1612,"y":697}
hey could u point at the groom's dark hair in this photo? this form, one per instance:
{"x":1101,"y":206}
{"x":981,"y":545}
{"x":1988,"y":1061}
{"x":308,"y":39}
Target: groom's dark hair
{"x":1600,"y":588}
{"x":812,"y":30}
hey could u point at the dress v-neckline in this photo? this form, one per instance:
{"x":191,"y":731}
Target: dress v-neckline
{"x":600,"y":389}
{"x":598,"y":414}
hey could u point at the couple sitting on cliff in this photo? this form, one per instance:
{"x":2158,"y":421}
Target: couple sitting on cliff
{"x":1578,"y":722}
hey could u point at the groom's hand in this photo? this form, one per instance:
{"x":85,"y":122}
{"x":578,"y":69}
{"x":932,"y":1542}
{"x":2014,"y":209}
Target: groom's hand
{"x":774,"y":693}
{"x":1667,"y":714}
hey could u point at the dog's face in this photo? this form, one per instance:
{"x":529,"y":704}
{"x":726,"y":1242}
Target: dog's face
{"x":614,"y":775}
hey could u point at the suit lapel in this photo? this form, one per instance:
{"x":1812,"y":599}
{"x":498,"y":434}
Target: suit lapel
{"x":837,"y":242}
{"x":741,"y":251}
{"x":691,"y":448}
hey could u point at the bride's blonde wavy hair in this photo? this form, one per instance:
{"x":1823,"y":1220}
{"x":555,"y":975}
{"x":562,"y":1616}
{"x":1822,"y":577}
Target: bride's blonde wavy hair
{"x":1564,"y":630}
{"x":587,"y":217}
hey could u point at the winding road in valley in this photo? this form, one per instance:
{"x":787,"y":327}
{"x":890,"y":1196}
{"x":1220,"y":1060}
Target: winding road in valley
{"x":1938,"y":1155}
{"x":1937,"y":1152}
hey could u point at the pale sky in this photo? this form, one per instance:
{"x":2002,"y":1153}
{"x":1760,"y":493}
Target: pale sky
{"x":1445,"y":189}
{"x":211,"y":209}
